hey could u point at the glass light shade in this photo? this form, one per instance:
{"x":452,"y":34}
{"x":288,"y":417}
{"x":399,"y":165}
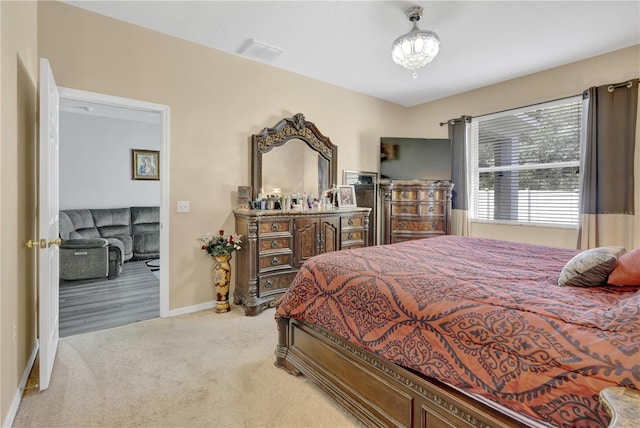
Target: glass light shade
{"x":415,"y":49}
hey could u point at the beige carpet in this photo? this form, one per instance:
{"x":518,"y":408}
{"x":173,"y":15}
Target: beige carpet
{"x":197,"y":370}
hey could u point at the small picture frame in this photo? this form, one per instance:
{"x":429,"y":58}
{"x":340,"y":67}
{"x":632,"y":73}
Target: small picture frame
{"x":346,"y":196}
{"x":145,"y":164}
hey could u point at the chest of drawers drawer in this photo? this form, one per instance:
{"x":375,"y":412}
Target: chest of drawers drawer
{"x":418,"y":195}
{"x":400,"y":225}
{"x":400,"y":237}
{"x":417,"y":208}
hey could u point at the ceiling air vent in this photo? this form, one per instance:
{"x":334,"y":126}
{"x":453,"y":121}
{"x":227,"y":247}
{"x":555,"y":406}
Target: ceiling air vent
{"x":260,"y":51}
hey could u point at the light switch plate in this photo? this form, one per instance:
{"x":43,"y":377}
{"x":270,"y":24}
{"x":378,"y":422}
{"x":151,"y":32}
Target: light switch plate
{"x":183,"y":207}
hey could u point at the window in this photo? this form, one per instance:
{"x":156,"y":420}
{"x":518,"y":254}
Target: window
{"x":524,"y":164}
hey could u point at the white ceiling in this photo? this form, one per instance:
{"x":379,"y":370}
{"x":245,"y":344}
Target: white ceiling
{"x":347,"y":43}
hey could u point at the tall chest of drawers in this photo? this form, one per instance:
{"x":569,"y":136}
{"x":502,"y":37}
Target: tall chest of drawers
{"x":276,"y":243}
{"x":415,"y":209}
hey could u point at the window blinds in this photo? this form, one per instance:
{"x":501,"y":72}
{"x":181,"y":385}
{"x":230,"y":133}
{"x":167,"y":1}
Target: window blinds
{"x":525,"y":164}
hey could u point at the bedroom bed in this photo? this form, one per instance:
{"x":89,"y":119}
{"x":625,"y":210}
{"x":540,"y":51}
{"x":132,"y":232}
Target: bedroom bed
{"x":455,"y":331}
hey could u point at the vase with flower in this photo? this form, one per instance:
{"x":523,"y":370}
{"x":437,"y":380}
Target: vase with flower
{"x":220,"y":249}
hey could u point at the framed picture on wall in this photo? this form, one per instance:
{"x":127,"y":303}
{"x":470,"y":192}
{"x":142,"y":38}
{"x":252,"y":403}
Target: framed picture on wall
{"x":145,"y":164}
{"x":346,"y":196}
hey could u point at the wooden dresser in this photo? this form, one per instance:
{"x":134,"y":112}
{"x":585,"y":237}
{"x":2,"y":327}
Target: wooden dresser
{"x":275,"y":244}
{"x":415,"y":209}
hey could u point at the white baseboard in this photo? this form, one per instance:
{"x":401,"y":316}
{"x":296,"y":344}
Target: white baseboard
{"x":191,"y":309}
{"x":17,"y":398}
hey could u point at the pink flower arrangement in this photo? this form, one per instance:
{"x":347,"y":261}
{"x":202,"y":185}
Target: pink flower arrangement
{"x":218,"y":244}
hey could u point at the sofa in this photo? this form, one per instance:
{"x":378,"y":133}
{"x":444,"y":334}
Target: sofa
{"x":96,"y":242}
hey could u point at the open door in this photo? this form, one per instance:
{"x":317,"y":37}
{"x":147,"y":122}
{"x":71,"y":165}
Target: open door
{"x":48,"y":267}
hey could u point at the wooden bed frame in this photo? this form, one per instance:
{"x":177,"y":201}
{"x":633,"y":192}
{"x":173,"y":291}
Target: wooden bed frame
{"x":383,"y":394}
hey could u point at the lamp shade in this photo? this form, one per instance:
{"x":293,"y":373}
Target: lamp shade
{"x":417,"y":48}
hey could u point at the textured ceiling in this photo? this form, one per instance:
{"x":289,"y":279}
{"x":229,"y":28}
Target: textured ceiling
{"x":347,"y":43}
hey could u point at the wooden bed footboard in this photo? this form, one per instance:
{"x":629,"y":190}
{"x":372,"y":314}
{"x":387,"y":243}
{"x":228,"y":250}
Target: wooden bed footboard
{"x":383,"y":394}
{"x":375,"y":391}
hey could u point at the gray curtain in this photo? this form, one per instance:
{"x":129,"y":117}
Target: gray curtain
{"x":458,"y":133}
{"x":607,"y":206}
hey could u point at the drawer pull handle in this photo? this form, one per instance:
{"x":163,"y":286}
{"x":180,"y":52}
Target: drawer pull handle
{"x":430,"y":195}
{"x":404,"y":209}
{"x":268,"y":284}
{"x":431,"y":209}
{"x":435,"y":225}
{"x":350,"y":222}
{"x":274,"y":227}
{"x":403,"y":195}
{"x":350,"y":236}
{"x":400,"y":225}
{"x":274,"y":261}
{"x":274,"y":244}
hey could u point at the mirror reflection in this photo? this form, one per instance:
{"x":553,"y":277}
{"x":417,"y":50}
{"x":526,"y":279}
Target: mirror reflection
{"x":294,"y":168}
{"x":292,"y":158}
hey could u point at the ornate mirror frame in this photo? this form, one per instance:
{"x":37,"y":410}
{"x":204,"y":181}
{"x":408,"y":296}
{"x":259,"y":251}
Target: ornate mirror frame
{"x":287,"y":129}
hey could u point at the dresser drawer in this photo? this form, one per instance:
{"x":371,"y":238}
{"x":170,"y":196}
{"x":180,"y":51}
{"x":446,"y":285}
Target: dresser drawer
{"x":274,"y":261}
{"x":353,"y":235}
{"x":352,"y":221}
{"x":270,"y":284}
{"x":417,"y":209}
{"x":435,"y":225}
{"x":268,"y":244}
{"x":352,"y":245}
{"x":276,"y":226}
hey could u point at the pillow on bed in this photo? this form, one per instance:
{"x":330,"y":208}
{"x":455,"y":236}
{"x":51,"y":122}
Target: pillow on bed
{"x":590,"y":267}
{"x":627,"y":271}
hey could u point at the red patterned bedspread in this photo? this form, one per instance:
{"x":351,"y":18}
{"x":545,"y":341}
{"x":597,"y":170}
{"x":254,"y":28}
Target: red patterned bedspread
{"x":483,"y":315}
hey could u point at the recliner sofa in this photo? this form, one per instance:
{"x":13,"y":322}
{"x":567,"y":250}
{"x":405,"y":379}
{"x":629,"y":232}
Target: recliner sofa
{"x":96,"y":242}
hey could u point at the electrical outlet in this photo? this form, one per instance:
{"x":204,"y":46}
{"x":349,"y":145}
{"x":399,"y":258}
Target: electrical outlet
{"x":15,"y":330}
{"x":183,"y":207}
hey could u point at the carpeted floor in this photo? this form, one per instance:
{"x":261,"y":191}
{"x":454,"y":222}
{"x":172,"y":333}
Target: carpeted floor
{"x":196,"y":370}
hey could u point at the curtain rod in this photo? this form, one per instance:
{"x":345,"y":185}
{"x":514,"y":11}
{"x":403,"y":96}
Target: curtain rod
{"x":612,"y":88}
{"x":450,"y":121}
{"x":457,"y":119}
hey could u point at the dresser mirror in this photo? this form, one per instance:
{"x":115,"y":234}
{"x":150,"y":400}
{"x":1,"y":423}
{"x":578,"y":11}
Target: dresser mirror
{"x":291,"y":157}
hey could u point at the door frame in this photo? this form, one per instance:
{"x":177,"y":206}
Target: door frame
{"x":163,"y":111}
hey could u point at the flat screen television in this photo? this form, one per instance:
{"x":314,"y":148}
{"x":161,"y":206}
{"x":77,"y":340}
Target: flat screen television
{"x":415,"y":158}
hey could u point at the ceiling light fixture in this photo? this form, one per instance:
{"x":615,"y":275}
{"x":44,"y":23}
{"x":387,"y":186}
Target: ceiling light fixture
{"x":418,"y":47}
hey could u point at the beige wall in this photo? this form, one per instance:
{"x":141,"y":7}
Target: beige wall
{"x":17,"y":193}
{"x":548,"y":85}
{"x":216,"y":102}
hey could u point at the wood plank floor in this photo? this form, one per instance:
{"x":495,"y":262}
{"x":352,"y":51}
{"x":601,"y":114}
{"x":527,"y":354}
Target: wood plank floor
{"x":101,"y":303}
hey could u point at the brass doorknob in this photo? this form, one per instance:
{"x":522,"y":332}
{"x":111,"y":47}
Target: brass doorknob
{"x":53,"y":242}
{"x":36,"y":244}
{"x":43,"y":243}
